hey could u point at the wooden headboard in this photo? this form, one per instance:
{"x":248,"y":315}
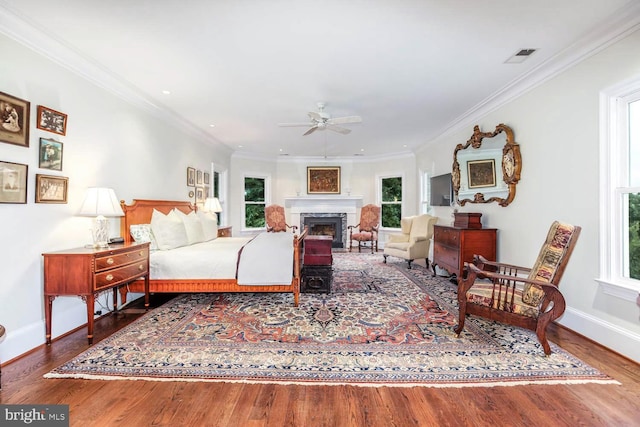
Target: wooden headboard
{"x":140,"y":211}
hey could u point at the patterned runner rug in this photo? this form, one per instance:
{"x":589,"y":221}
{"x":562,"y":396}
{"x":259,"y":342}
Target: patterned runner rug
{"x":382,"y":324}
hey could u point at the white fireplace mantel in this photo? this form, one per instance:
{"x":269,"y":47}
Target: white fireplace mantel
{"x":323,"y":204}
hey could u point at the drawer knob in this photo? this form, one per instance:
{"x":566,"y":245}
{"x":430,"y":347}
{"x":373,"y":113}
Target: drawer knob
{"x":141,"y":253}
{"x":141,"y":267}
{"x":110,"y":261}
{"x":109,"y":277}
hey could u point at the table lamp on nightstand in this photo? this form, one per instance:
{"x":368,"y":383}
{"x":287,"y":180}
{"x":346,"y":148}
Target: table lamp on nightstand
{"x":212,"y":204}
{"x":100,"y":203}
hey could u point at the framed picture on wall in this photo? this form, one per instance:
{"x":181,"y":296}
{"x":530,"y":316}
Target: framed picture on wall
{"x":481,"y":173}
{"x":323,"y":179}
{"x":14,"y":120}
{"x":51,"y":189}
{"x":199,"y":177}
{"x":51,"y":120}
{"x":206,"y":178}
{"x":13,"y":182}
{"x":191,"y":177}
{"x":50,"y":154}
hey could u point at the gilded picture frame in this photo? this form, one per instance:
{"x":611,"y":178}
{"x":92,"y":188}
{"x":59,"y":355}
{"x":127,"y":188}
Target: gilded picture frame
{"x":51,"y":189}
{"x":323,"y":180}
{"x":14,"y":120}
{"x":50,"y":154}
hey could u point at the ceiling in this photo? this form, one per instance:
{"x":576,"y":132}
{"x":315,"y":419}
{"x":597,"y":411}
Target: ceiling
{"x":412,"y":69}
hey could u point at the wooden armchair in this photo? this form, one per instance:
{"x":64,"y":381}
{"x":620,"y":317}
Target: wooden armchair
{"x":274,"y":217}
{"x":367,"y":227}
{"x":520,"y":296}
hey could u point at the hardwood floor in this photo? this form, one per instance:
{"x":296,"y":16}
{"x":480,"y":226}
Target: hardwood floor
{"x":147,"y":403}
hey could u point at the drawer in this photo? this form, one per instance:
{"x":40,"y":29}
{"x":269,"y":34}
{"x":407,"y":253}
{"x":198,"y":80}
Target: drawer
{"x":317,"y":259}
{"x":116,"y":260}
{"x":324,"y":249}
{"x":447,"y":236}
{"x":127,"y":273}
{"x":446,"y":255}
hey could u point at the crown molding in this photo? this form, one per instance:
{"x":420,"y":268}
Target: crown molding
{"x":18,"y":27}
{"x":625,"y":22}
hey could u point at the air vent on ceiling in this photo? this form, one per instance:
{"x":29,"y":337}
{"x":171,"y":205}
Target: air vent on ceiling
{"x":520,"y":56}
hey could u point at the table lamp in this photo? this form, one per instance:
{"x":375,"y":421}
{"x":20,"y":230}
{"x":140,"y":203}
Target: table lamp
{"x":100,"y":203}
{"x":212,"y":204}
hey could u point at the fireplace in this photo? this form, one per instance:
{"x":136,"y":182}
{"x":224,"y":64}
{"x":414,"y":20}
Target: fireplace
{"x":327,"y":224}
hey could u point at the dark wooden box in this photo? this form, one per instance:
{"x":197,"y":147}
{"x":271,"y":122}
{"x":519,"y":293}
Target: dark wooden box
{"x":317,"y":250}
{"x":467,"y":220}
{"x":316,"y":279}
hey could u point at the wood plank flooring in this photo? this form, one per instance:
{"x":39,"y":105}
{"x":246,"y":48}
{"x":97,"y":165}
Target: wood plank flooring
{"x":151,"y":403}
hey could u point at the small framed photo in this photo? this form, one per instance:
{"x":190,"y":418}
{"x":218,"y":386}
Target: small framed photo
{"x":14,"y":120}
{"x":206,"y":178}
{"x":199,"y":177}
{"x":323,"y":180}
{"x":481,"y":173}
{"x":199,"y":195}
{"x":191,"y":177}
{"x":51,"y":120}
{"x":50,"y":154}
{"x":13,"y":182}
{"x":51,"y":189}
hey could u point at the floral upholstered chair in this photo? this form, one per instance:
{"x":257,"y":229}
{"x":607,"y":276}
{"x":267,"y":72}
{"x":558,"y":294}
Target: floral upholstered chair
{"x":520,"y":296}
{"x":367,"y":228}
{"x":414,"y":240}
{"x":274,"y":217}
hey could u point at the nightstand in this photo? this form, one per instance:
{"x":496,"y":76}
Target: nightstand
{"x":225,"y":231}
{"x":85,"y":272}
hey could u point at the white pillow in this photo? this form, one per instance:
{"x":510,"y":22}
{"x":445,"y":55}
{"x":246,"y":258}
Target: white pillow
{"x":142,"y":233}
{"x":169,"y":230}
{"x":209,"y":225}
{"x":193,"y":226}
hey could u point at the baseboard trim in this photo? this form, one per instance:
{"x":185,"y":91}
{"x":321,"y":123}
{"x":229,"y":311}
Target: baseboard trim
{"x":612,"y":336}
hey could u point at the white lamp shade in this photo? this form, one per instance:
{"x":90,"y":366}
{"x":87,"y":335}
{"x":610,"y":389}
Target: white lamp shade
{"x":100,"y":201}
{"x":212,"y":204}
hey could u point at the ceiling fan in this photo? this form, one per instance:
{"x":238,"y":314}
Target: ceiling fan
{"x":321,"y":120}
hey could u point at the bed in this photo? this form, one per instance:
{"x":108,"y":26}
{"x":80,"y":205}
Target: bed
{"x":140,"y":212}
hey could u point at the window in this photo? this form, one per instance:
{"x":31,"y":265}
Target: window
{"x":255,"y":190}
{"x":620,"y":188}
{"x":425,"y":193}
{"x":216,"y":184}
{"x":391,"y":201}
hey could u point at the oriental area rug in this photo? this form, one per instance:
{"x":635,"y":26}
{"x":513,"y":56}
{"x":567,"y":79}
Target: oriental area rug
{"x":382,"y":325}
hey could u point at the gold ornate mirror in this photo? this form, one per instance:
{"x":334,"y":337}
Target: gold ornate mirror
{"x":487,"y":168}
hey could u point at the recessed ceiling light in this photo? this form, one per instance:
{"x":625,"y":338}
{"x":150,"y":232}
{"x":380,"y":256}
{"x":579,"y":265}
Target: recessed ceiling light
{"x":166,"y":92}
{"x":212,"y":125}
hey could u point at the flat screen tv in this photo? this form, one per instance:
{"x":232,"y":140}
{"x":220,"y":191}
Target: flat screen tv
{"x":441,"y":189}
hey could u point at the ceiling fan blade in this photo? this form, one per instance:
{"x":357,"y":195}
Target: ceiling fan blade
{"x":293,"y":124}
{"x":339,"y":129}
{"x":311,"y":130}
{"x":314,"y":116}
{"x":347,"y":119}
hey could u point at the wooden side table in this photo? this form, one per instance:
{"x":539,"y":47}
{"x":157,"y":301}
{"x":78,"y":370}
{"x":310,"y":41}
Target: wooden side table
{"x":225,"y":231}
{"x":453,"y":246}
{"x":85,"y":272}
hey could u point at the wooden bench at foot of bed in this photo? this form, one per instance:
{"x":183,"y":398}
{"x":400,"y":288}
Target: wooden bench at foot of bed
{"x":140,"y":211}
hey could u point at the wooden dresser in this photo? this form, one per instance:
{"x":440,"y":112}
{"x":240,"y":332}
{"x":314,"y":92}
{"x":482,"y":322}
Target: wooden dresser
{"x":85,"y":272}
{"x":453,"y":246}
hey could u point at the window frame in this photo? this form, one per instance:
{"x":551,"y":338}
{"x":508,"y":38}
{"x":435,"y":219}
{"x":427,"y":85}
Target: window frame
{"x":379,"y":179}
{"x":614,"y":183}
{"x":267,"y":197}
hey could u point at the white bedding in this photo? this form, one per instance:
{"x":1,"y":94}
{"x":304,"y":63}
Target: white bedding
{"x":266,"y":259}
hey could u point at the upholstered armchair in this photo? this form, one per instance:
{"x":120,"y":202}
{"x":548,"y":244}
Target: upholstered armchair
{"x":414,"y":240}
{"x":367,"y":228}
{"x":274,"y":217}
{"x":520,"y":296}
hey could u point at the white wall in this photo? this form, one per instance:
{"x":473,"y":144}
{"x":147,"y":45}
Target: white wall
{"x":109,"y":143}
{"x":557,"y":127}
